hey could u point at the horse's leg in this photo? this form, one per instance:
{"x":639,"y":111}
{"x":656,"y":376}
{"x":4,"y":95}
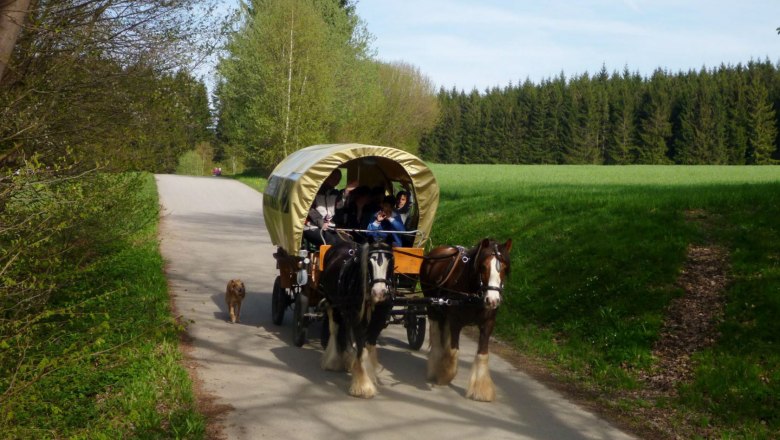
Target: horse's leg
{"x":362,"y":385}
{"x":481,"y":385}
{"x":451,"y":341}
{"x":238,"y":311}
{"x":435,"y":353}
{"x":377,"y":324}
{"x":443,"y":358}
{"x":332,"y":359}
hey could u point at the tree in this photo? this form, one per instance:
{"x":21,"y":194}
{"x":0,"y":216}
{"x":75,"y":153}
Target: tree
{"x":762,"y":131}
{"x":12,"y":18}
{"x":701,"y":138}
{"x":655,"y":127}
{"x":79,"y":69}
{"x":410,"y":107}
{"x":299,"y":72}
{"x":277,"y":81}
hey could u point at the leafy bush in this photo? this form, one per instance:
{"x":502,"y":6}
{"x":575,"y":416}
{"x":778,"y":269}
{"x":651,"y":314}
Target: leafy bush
{"x":86,"y":337}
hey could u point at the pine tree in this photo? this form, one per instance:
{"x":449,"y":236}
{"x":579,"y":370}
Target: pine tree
{"x":583,"y":123}
{"x":702,"y":137}
{"x":623,"y":121}
{"x":762,"y":131}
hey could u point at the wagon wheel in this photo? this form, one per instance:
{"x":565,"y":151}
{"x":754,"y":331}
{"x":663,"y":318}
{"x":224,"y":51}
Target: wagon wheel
{"x":300,"y":323}
{"x":415,"y":328}
{"x":279,"y":300}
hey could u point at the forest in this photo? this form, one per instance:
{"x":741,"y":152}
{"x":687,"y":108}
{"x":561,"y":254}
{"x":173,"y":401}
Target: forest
{"x":716,"y":116}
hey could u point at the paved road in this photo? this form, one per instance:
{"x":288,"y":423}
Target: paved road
{"x":212,"y":230}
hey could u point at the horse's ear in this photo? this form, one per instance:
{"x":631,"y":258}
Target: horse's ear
{"x":485,"y":243}
{"x":507,"y":246}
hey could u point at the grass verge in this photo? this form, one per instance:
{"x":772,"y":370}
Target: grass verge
{"x":101,"y":361}
{"x":252,"y":180}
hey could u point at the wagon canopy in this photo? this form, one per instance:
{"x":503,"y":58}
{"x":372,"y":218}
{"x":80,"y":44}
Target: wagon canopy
{"x":294,"y":183}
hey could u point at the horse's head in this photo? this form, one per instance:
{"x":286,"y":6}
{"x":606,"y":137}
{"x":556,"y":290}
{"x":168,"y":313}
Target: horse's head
{"x":492,"y":265}
{"x":379,"y":262}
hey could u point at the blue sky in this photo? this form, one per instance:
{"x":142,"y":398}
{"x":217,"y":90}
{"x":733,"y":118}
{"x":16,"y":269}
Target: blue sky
{"x":484,"y":43}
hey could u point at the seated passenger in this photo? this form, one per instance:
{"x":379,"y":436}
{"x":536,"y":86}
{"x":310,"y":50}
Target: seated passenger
{"x":320,"y":223}
{"x":358,"y":212}
{"x":402,"y":205}
{"x":385,"y":221}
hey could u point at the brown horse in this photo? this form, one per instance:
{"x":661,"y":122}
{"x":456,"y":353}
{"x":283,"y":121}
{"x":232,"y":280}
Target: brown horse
{"x":470,"y":282}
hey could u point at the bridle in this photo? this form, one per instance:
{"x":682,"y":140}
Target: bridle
{"x":389,"y":255}
{"x":498,"y":261}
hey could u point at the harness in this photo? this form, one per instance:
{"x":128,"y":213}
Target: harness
{"x":466,"y":297}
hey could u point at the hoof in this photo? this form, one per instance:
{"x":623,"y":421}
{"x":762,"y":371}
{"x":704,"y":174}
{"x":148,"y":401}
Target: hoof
{"x":481,"y":387}
{"x":364,"y":390}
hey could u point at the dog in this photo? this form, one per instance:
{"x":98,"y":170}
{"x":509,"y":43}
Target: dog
{"x":234,"y":294}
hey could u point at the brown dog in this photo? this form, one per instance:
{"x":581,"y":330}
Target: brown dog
{"x":234,"y":294}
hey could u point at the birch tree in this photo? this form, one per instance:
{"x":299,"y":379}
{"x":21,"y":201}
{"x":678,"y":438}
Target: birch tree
{"x":277,"y":80}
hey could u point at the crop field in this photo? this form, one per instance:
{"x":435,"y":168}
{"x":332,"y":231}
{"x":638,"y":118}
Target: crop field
{"x":596,"y":255}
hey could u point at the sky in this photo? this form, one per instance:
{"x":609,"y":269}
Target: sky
{"x":485,"y":43}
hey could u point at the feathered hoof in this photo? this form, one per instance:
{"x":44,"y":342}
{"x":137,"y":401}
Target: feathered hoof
{"x":481,"y":387}
{"x":331,"y":359}
{"x":362,"y":386}
{"x":376,"y":367}
{"x":447,"y":368}
{"x":482,"y":393}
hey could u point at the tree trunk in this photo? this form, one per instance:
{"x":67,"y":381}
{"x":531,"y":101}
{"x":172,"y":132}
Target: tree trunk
{"x":289,"y":85}
{"x":12,"y":16}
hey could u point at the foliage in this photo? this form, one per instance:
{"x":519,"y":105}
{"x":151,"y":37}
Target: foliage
{"x":87,"y":343}
{"x":105,"y":82}
{"x":409,"y":105}
{"x":717,"y":116}
{"x":197,"y":162}
{"x":312,"y":80}
{"x":596,"y":252}
{"x":283,"y":55}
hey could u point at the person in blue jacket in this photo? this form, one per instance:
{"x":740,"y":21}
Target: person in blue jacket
{"x":384,"y":220}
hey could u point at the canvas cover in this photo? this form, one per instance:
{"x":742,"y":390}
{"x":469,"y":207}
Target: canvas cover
{"x":296,"y":180}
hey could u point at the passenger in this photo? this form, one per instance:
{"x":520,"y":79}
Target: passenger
{"x":320,"y":223}
{"x":377,"y":197}
{"x":402,"y":205}
{"x":358,"y":213}
{"x":385,"y":221}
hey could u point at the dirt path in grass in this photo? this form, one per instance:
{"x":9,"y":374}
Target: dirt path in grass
{"x":212,"y":230}
{"x":690,"y":325}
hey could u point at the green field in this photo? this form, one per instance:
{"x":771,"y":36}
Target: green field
{"x":596,"y":254}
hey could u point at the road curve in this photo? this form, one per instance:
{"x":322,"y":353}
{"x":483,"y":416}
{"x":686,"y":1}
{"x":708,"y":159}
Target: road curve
{"x":212,"y":230}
